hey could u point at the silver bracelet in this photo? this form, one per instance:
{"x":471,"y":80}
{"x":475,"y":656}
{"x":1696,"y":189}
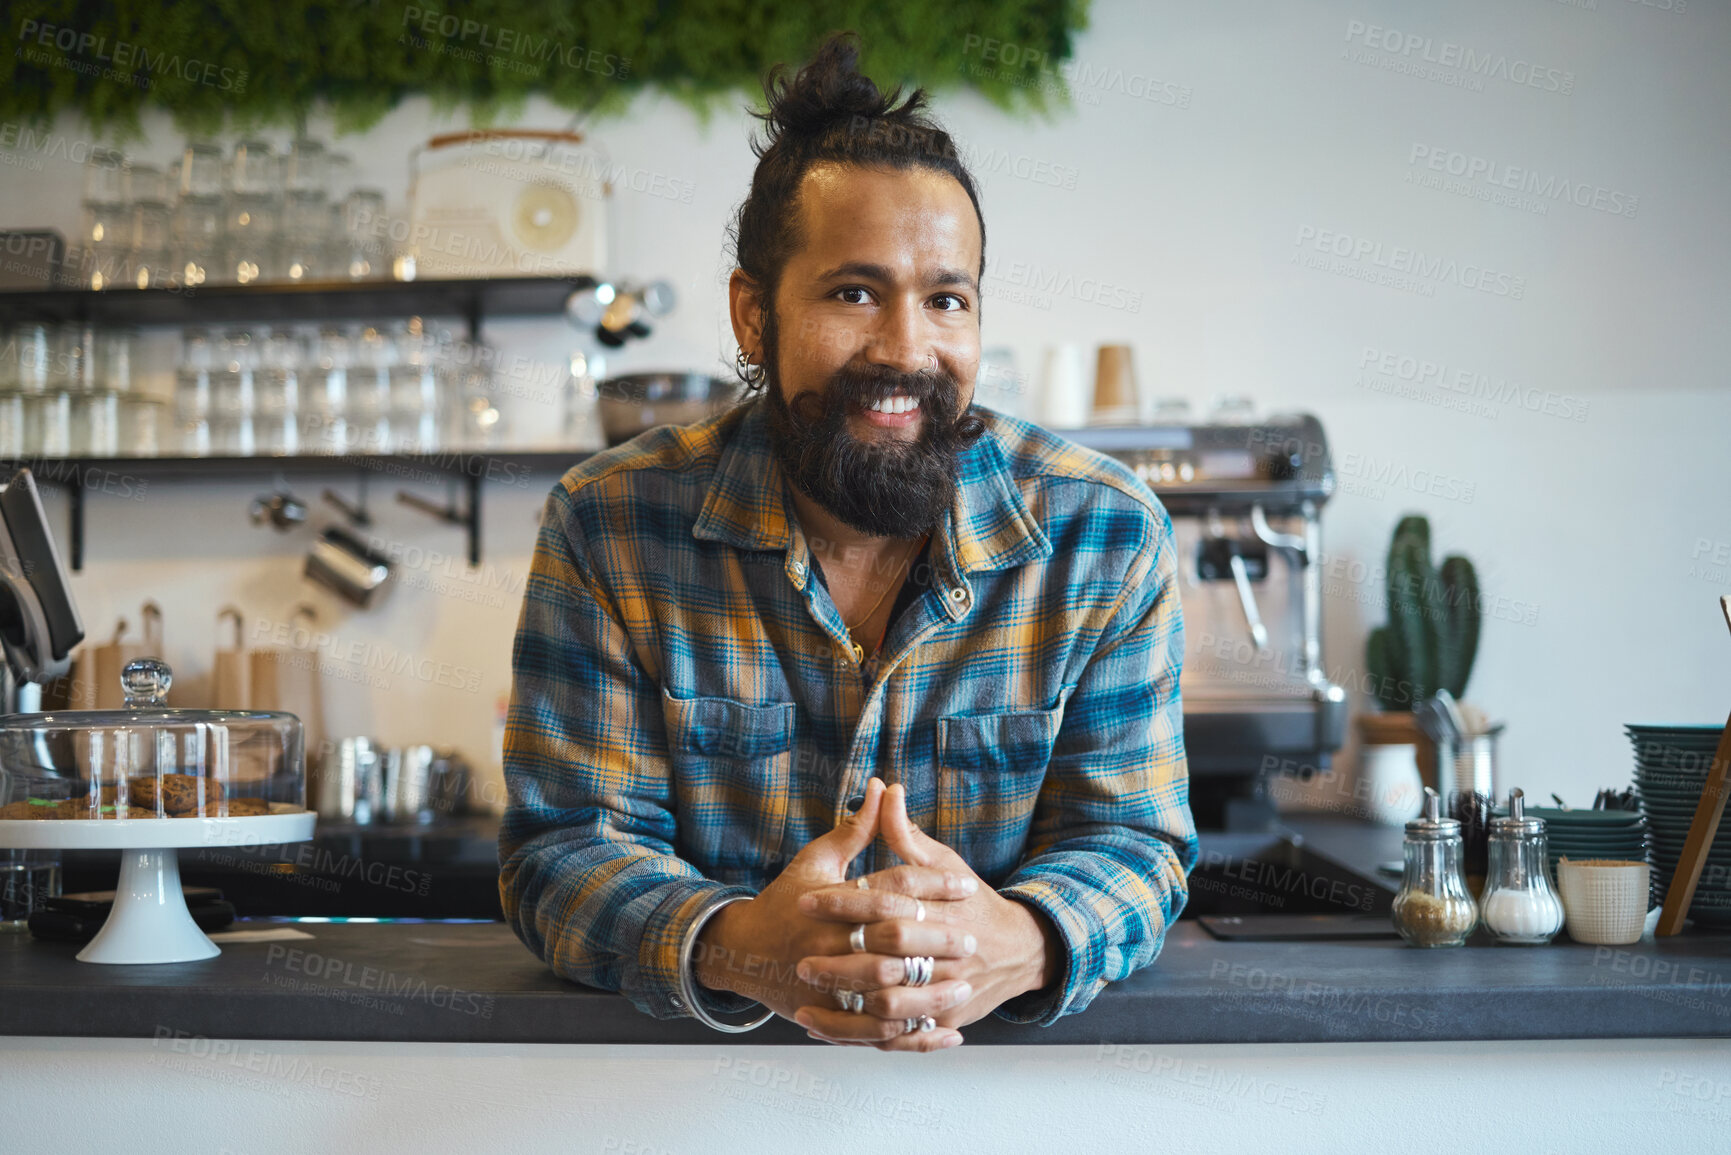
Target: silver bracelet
{"x":688,"y":983}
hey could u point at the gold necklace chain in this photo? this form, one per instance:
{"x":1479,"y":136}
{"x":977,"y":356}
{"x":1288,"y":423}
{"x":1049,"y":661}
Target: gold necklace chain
{"x":893,"y":585}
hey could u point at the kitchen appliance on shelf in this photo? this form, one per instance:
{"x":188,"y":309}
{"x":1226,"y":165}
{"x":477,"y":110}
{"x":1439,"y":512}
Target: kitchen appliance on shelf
{"x":1246,"y":501}
{"x":508,"y":202}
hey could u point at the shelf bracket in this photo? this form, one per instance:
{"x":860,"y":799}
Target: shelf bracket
{"x":468,"y":517}
{"x":474,"y":315}
{"x":473,"y":481}
{"x":75,"y":518}
{"x":355,"y":511}
{"x":464,"y":471}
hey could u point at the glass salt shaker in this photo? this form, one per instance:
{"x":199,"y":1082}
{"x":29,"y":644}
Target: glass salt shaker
{"x":1433,"y":907}
{"x":1520,"y":904}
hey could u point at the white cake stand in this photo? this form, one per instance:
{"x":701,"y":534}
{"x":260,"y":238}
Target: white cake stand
{"x":150,"y":922}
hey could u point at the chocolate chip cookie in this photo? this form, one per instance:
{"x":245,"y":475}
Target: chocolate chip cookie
{"x":237,"y":808}
{"x":177,"y":792}
{"x":26,"y":810}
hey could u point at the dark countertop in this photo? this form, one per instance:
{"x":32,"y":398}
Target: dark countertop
{"x":473,"y":982}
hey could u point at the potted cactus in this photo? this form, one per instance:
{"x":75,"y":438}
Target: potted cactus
{"x":1429,"y":644}
{"x":1432,"y":635}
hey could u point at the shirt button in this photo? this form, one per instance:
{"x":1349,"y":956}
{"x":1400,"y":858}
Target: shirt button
{"x":959,"y":594}
{"x":798,"y":567}
{"x":854,"y":803}
{"x":675,"y":1000}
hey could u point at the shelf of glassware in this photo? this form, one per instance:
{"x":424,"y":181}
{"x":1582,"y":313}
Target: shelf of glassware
{"x":471,"y":299}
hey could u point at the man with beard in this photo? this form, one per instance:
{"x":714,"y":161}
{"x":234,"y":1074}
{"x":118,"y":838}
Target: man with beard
{"x":856,"y":704}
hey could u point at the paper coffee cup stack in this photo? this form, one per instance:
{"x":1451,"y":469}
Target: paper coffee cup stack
{"x":1116,"y":400}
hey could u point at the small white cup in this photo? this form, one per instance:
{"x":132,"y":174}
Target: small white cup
{"x":1065,"y":397}
{"x":1604,"y":900}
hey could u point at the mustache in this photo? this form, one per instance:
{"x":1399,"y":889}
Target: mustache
{"x":875,"y":383}
{"x":936,"y":390}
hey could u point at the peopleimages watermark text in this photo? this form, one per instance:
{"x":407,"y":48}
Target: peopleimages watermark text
{"x":120,"y":60}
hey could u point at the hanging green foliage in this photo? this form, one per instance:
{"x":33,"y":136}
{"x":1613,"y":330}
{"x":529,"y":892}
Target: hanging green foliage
{"x":241,"y":63}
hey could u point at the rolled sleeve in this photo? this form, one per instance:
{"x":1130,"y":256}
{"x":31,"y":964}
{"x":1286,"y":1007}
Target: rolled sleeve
{"x":1113,"y":840}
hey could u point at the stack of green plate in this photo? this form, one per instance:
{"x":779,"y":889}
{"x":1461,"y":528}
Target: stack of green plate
{"x":1671,"y":764}
{"x":1619,"y":834}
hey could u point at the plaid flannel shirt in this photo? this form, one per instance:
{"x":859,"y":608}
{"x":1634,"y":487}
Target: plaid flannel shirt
{"x":686,"y":713}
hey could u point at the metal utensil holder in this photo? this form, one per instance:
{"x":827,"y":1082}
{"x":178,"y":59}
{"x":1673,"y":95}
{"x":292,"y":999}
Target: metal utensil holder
{"x":1471,"y":767}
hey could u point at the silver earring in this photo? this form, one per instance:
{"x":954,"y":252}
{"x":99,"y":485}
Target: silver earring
{"x":749,"y":373}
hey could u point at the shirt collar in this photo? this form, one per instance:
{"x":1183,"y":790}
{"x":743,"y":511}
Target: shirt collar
{"x":989,"y":528}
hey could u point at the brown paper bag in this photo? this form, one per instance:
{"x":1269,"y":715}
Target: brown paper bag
{"x":96,"y":670}
{"x":82,"y":695}
{"x":229,"y":680}
{"x":287,"y":678}
{"x":110,"y":660}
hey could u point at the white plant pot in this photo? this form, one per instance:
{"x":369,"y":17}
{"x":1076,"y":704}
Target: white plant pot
{"x":1389,"y":783}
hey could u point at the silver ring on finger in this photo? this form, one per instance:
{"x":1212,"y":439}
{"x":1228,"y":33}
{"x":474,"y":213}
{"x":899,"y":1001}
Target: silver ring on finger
{"x":856,"y":939}
{"x":909,"y":1026}
{"x":852,"y":1002}
{"x":927,"y":1023}
{"x":917,"y":971}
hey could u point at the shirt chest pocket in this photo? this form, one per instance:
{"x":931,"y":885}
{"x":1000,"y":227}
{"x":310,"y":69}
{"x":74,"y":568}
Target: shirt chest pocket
{"x":732,"y":768}
{"x":990,"y":770}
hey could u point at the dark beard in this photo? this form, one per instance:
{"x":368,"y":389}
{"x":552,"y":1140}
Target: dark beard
{"x":892,"y":488}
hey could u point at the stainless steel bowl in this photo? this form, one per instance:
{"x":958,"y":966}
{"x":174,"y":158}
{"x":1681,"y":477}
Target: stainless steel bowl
{"x":633,"y":402}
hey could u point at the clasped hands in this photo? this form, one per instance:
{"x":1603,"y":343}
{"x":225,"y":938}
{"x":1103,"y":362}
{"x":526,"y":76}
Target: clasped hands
{"x":789,"y":947}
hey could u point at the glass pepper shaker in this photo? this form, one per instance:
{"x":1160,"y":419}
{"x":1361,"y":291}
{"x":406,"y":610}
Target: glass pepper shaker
{"x":1520,"y":904}
{"x":1433,"y":907}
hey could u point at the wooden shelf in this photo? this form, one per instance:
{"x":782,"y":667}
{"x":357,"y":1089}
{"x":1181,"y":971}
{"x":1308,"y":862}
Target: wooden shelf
{"x":471,"y":299}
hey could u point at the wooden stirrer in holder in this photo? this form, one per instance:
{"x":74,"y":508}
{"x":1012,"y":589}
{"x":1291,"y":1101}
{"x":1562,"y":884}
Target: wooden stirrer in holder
{"x":1702,"y":830}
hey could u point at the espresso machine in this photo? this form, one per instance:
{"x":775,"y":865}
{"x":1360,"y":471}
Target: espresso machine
{"x":1246,"y":502}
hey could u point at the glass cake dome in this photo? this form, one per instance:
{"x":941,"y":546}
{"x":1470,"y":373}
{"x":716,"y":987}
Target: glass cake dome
{"x":150,"y":761}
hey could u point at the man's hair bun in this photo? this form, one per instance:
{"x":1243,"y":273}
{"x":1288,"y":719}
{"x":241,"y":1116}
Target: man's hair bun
{"x":827,"y":92}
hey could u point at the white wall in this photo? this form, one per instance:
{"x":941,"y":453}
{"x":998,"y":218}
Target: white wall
{"x":252,"y":1098}
{"x":1606,"y":540}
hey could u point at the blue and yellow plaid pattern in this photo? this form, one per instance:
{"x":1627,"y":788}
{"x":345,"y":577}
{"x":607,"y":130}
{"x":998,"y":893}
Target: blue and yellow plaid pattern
{"x":686,"y":712}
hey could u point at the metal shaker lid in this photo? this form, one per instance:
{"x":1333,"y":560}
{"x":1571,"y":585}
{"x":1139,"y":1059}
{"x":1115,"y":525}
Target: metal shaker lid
{"x":1516,"y":821}
{"x":1431,"y":825}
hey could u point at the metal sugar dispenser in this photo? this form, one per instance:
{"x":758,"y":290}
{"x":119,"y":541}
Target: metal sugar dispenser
{"x":1520,"y":904}
{"x":1433,"y":907}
